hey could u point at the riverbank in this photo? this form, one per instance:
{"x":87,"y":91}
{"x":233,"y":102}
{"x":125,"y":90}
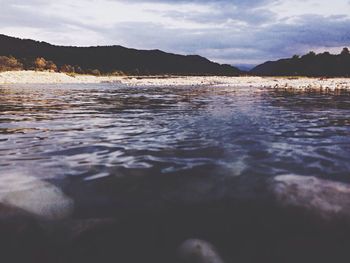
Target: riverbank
{"x":302,"y":83}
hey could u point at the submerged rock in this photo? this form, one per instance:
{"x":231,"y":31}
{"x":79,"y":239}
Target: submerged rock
{"x":325,"y":198}
{"x":198,"y":251}
{"x":36,"y":197}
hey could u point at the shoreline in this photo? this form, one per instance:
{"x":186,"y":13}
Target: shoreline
{"x":298,"y":83}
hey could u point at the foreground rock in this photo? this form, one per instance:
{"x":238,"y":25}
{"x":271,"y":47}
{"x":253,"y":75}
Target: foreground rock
{"x":327,"y":199}
{"x":19,"y":192}
{"x":198,"y":251}
{"x":287,"y":218}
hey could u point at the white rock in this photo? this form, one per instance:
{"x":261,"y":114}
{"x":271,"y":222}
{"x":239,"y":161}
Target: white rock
{"x":198,"y":251}
{"x":34,"y":196}
{"x":302,"y":83}
{"x":324,"y":197}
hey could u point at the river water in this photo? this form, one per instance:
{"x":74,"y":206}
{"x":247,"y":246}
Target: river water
{"x":95,"y":131}
{"x":87,"y":134}
{"x":169,"y":163}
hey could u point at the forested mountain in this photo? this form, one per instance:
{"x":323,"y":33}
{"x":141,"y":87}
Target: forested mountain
{"x":311,"y":64}
{"x":29,"y":54}
{"x":17,"y":54}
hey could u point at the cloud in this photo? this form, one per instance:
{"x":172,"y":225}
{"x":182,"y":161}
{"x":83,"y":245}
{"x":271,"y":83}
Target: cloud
{"x":223,"y":14}
{"x":246,"y":3}
{"x":248,"y":44}
{"x":229,"y":31}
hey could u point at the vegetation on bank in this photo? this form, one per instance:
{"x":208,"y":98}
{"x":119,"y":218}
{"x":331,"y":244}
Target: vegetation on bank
{"x":310,"y":65}
{"x":10,"y":63}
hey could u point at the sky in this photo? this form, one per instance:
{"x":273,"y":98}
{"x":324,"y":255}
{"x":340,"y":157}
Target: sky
{"x":235,"y":32}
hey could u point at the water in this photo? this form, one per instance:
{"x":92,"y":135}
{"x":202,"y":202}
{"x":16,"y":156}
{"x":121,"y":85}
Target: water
{"x":87,"y":134}
{"x":166,"y":164}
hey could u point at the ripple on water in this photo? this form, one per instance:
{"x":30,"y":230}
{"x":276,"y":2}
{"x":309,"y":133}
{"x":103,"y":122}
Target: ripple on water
{"x":98,"y":131}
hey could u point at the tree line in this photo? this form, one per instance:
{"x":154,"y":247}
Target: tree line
{"x":311,"y":64}
{"x":10,"y":63}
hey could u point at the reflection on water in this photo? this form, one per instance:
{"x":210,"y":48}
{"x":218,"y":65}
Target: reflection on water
{"x":89,"y":132}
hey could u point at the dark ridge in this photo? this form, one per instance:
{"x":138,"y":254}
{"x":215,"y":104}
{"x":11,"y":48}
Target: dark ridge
{"x":108,"y":59}
{"x":310,"y":65}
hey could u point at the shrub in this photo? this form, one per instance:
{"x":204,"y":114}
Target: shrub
{"x":67,"y":69}
{"x":51,"y":66}
{"x":10,"y":63}
{"x":78,"y":70}
{"x":40,"y":64}
{"x":117,"y":73}
{"x":94,"y":72}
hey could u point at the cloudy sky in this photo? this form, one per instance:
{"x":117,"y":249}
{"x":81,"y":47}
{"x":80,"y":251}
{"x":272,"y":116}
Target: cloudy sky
{"x":226,"y":31}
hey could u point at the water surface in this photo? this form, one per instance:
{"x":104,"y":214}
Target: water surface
{"x":90,"y":133}
{"x":105,"y":130}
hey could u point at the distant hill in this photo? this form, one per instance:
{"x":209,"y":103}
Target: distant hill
{"x":311,"y":64}
{"x":107,"y":59}
{"x":245,"y":67}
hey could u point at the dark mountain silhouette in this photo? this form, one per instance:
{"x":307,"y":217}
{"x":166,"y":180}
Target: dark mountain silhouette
{"x":311,"y":64}
{"x":108,"y":59}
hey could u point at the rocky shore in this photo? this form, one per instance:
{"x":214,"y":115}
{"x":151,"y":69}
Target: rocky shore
{"x":300,"y":83}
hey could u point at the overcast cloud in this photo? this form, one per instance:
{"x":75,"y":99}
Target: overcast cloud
{"x":227,"y":31}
